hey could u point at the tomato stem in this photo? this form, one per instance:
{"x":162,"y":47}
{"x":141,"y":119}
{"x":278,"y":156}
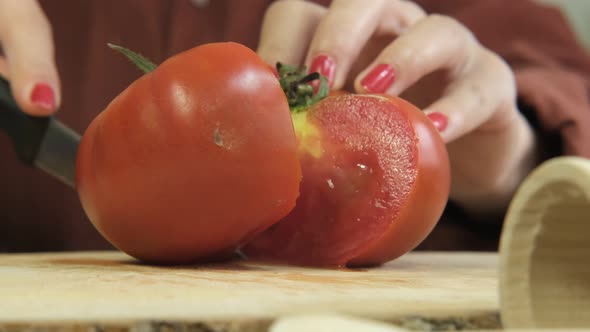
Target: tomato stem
{"x":139,"y":60}
{"x":295,"y":82}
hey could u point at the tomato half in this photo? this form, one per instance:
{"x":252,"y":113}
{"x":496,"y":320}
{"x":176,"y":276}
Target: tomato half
{"x":376,"y":179}
{"x":192,"y":159}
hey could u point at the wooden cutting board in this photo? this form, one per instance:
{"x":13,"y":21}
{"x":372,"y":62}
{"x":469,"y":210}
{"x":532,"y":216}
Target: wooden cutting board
{"x":111,"y":287}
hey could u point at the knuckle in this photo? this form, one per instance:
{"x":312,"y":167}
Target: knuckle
{"x":443,"y":20}
{"x":414,"y":9}
{"x":408,"y":55}
{"x":503,"y":74}
{"x":451,"y":25}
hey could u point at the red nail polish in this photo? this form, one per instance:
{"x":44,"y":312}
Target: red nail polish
{"x":439,"y":120}
{"x":379,"y":79}
{"x":43,"y":96}
{"x":324,"y":65}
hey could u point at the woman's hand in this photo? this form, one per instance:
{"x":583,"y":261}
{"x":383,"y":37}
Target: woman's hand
{"x":28,"y":56}
{"x":393,"y":47}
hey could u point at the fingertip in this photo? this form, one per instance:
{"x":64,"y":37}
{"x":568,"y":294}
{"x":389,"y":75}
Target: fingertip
{"x":439,"y":120}
{"x":377,"y":78}
{"x":324,"y":64}
{"x":42,"y":95}
{"x":37,"y":97}
{"x":446,"y":124}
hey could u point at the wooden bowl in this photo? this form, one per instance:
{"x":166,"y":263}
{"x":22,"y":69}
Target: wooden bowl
{"x":544,"y":272}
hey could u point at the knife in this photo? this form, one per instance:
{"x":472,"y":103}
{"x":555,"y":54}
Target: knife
{"x":42,"y":142}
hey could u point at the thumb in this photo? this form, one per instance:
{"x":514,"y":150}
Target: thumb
{"x":26,"y":37}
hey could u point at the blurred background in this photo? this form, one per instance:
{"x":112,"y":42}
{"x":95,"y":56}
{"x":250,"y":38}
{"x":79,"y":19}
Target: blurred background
{"x":578,"y":12}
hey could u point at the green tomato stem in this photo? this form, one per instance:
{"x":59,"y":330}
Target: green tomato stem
{"x":139,"y":60}
{"x":295,"y":83}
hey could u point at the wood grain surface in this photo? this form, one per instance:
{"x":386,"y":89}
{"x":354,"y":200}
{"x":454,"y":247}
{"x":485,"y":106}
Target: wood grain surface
{"x":111,"y":288}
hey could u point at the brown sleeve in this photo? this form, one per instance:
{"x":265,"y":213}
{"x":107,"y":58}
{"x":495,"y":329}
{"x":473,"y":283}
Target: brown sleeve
{"x":559,"y":98}
{"x":552,"y":69}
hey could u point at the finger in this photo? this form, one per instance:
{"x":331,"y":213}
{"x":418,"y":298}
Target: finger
{"x":473,"y":98}
{"x":340,"y":35}
{"x":346,"y":29}
{"x":287,"y":29}
{"x":436,"y":42}
{"x":27,"y":41}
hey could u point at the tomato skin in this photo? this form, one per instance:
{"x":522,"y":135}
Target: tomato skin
{"x":376,"y":178}
{"x":191,"y":160}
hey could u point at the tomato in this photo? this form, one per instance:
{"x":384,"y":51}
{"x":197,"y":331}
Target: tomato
{"x":376,"y":179}
{"x":191,"y":160}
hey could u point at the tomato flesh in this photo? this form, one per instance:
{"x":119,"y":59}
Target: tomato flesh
{"x":360,"y":162}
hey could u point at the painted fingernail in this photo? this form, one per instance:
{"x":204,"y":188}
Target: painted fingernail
{"x":43,"y":96}
{"x":324,"y":65}
{"x":379,"y":79}
{"x":439,"y":120}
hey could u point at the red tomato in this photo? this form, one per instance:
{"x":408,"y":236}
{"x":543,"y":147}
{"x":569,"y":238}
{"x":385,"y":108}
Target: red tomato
{"x":376,"y":179}
{"x":192,"y":159}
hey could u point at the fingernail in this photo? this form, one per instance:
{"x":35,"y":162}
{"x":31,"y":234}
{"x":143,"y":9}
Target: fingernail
{"x":324,"y":65}
{"x":43,"y":96}
{"x":379,"y":79}
{"x":439,"y":120}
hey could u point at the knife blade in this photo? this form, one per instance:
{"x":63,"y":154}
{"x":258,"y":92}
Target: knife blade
{"x":42,"y":142}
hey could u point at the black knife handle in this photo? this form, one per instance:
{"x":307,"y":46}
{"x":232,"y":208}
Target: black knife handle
{"x":26,"y":131}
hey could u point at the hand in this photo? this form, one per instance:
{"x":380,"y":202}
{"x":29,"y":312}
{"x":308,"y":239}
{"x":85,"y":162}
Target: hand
{"x":28,"y":61}
{"x":393,"y":47}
